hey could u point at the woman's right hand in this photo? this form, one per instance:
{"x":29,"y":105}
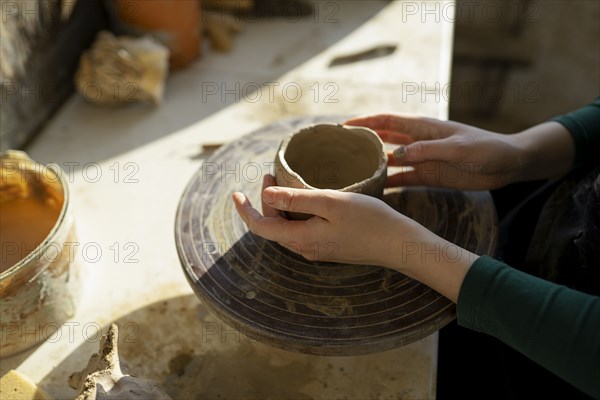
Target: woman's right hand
{"x":454,"y":155}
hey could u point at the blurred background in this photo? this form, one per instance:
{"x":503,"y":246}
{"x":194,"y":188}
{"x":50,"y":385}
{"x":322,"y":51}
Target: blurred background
{"x":526,"y":62}
{"x":515,"y":62}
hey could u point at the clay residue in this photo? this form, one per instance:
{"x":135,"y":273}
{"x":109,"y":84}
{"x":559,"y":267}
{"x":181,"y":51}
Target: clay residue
{"x":221,"y":375}
{"x":338,"y":307}
{"x":178,"y":363}
{"x":102,"y":378}
{"x":218,"y":362}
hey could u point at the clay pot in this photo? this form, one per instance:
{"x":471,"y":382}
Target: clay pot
{"x":176,"y":22}
{"x":327,"y":156}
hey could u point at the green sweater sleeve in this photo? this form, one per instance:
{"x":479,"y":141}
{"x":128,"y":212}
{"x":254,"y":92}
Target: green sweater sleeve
{"x":584,"y":126}
{"x":557,"y":327}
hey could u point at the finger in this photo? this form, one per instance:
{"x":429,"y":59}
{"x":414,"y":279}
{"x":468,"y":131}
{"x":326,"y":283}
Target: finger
{"x":272,"y":228}
{"x":391,"y":161}
{"x":268,"y":211}
{"x":394,"y":137}
{"x":244,"y":208}
{"x":395,"y":160}
{"x":316,"y":202}
{"x":417,"y":128}
{"x":429,"y":150}
{"x":408,"y":178}
{"x":375,"y":122}
{"x":291,"y":246}
{"x":431,"y":173}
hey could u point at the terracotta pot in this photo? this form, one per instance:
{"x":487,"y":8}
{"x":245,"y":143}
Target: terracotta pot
{"x":177,"y":23}
{"x":327,"y":156}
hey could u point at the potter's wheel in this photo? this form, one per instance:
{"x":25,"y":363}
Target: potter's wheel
{"x":275,"y":296}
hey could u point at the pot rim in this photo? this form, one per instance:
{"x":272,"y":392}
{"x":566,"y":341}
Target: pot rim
{"x":19,"y":155}
{"x":356,"y":129}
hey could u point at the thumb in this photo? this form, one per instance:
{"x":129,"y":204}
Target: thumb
{"x":308,"y":201}
{"x":424,"y":150}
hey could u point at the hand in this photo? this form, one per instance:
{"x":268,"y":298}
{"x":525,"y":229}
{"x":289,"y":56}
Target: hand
{"x":454,"y":155}
{"x":347,"y":227}
{"x":354,"y":228}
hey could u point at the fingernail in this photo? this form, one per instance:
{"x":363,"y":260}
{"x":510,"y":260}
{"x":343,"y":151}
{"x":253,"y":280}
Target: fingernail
{"x":238,"y":196}
{"x":399,"y":153}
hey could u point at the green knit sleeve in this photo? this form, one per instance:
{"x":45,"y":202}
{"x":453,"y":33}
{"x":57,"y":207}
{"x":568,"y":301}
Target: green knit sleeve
{"x":557,"y":327}
{"x":584,"y":125}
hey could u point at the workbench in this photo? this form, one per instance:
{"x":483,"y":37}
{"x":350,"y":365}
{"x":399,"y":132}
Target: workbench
{"x":128,"y":167}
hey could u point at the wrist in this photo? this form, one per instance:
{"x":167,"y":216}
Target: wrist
{"x":413,"y":245}
{"x":544,"y":151}
{"x":525,"y":149}
{"x":434,"y":261}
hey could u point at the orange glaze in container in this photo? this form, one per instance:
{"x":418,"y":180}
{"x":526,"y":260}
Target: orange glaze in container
{"x":40,"y":279}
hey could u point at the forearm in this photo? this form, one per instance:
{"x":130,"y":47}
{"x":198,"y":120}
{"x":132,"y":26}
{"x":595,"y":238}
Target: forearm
{"x":437,"y":263}
{"x":547,"y":149}
{"x":553,"y":325}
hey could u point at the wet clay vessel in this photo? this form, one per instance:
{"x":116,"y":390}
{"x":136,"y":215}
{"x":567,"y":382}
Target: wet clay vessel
{"x":329,"y":156}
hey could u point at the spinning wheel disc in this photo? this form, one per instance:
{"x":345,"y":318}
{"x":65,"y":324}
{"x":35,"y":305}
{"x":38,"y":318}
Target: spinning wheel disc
{"x":277,"y":297}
